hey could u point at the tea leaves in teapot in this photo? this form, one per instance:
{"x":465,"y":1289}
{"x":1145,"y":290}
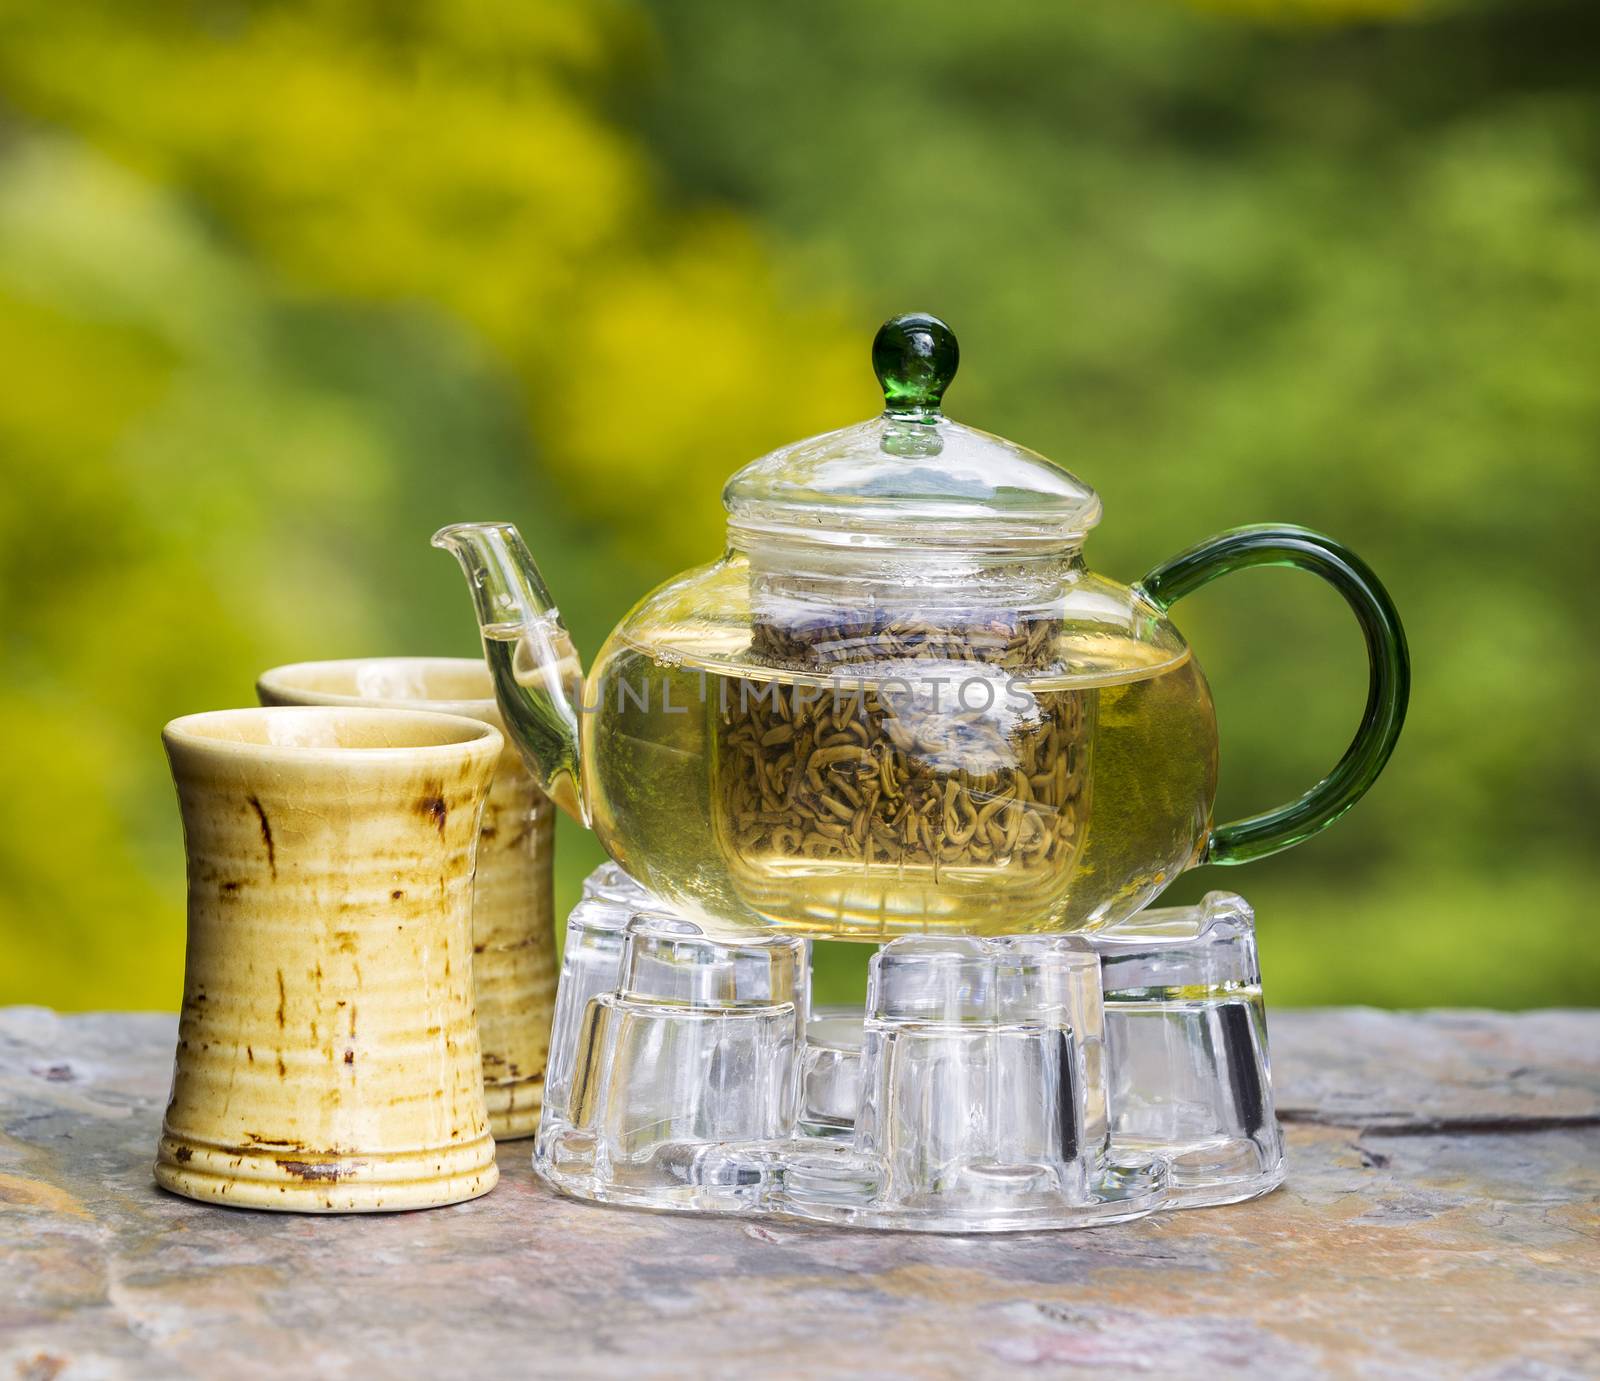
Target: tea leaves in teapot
{"x":924,"y":750}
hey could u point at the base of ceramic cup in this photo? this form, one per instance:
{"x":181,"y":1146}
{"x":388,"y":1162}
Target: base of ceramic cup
{"x":287,"y":1181}
{"x":514,"y":1107}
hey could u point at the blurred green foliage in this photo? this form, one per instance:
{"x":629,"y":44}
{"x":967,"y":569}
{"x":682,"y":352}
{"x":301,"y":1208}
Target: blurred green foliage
{"x":283,"y":287}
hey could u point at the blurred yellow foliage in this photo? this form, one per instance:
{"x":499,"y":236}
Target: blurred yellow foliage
{"x":455,"y":157}
{"x":179,"y":480}
{"x":285,"y":286}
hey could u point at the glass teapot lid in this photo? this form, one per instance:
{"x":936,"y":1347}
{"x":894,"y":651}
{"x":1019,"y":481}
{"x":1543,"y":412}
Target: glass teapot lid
{"x":911,"y":475}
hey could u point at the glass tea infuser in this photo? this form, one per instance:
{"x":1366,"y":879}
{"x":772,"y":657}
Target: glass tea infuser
{"x":900,"y":708}
{"x":900,"y":702}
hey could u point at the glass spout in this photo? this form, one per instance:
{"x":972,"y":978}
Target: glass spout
{"x":538,"y":680}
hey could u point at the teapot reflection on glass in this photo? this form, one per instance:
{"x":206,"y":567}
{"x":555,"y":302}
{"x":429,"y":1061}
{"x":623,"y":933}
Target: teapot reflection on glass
{"x":900,"y":702}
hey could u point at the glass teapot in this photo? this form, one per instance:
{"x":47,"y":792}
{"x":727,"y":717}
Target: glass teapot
{"x":900,"y":702}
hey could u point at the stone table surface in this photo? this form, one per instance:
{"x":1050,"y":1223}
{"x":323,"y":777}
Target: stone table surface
{"x":1439,"y":1219}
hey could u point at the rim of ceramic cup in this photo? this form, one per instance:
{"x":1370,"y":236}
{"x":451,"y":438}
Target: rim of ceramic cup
{"x":424,"y":733}
{"x":295,"y":683}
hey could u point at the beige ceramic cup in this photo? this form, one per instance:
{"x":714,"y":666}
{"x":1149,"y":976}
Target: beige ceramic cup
{"x":514,"y":955}
{"x":327,"y":1049}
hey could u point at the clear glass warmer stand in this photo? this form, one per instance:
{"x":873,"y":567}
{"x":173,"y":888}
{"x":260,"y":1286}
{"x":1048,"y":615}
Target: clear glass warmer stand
{"x":990,"y":1085}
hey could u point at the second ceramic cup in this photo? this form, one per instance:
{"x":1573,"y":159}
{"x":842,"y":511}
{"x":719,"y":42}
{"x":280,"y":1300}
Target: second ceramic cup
{"x":513,"y":936}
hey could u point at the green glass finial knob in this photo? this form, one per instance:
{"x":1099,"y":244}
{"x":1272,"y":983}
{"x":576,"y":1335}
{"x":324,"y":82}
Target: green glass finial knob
{"x":915,"y":357}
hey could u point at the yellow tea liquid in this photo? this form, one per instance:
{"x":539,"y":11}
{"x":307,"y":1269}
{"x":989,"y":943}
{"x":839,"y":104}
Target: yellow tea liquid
{"x":867,"y":805}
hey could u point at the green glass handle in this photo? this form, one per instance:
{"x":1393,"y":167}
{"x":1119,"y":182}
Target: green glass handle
{"x":1388,"y":690}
